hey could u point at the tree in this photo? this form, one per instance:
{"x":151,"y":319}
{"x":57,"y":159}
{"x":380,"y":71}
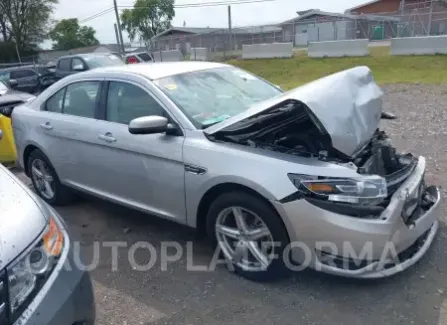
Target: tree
{"x":67,"y":34}
{"x":147,"y":18}
{"x":25,"y":21}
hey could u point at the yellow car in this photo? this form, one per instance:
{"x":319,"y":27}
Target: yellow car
{"x":9,"y":98}
{"x":7,"y":146}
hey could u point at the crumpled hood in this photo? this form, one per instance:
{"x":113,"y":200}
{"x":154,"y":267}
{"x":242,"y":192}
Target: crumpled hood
{"x":13,"y":96}
{"x":348,"y":104}
{"x":21,"y":218}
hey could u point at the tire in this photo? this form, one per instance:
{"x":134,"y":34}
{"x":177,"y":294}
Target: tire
{"x":249,"y":203}
{"x":62,"y":194}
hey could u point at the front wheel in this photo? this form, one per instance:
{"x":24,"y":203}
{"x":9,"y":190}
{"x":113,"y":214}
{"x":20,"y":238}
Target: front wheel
{"x":250,"y":235}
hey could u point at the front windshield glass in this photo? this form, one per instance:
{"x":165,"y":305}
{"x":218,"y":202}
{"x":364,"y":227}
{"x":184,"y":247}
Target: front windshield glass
{"x":98,"y":61}
{"x":211,"y":96}
{"x":3,"y":88}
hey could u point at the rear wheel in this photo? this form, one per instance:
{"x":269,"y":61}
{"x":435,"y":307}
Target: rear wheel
{"x":45,"y":180}
{"x":250,"y":235}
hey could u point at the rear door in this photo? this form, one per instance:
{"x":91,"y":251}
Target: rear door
{"x":68,"y":124}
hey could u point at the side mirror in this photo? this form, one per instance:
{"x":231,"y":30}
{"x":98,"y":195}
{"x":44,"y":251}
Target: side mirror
{"x":79,"y":67}
{"x":148,"y":125}
{"x":13,"y":83}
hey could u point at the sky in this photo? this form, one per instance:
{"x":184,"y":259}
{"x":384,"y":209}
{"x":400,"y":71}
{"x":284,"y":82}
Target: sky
{"x":242,"y":14}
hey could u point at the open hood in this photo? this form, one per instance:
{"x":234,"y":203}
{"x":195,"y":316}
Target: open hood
{"x":348,"y":104}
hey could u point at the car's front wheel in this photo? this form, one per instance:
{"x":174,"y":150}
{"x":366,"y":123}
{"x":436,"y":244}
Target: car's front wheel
{"x":250,"y":235}
{"x":46,"y":181}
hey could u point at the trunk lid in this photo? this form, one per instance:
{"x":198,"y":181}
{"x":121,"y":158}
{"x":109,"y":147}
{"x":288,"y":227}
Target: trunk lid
{"x":348,"y":104}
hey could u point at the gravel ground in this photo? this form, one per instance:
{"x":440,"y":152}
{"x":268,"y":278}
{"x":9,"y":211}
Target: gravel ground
{"x":175,"y":296}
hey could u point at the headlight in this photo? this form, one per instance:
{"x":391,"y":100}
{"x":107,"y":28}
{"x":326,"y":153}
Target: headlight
{"x":368,"y":190}
{"x":29,"y":273}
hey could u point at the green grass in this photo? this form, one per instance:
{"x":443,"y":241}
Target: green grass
{"x":387,"y":69}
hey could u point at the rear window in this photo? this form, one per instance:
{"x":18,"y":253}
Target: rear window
{"x":145,"y":57}
{"x":64,"y":64}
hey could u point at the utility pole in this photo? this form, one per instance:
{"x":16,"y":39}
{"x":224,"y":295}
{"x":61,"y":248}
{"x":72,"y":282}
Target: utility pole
{"x":230,"y":38}
{"x":118,"y":24}
{"x":17,"y":50}
{"x":117,"y":36}
{"x":430,"y":18}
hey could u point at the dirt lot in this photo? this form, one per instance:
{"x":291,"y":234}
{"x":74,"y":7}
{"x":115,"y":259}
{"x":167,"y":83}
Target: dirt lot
{"x":177,"y":296}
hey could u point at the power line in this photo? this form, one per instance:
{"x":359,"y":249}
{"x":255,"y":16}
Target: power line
{"x":99,"y":14}
{"x":206,"y":4}
{"x":186,"y":5}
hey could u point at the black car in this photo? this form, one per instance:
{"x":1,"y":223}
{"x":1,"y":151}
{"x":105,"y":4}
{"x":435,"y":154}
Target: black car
{"x":71,"y":64}
{"x":30,"y":78}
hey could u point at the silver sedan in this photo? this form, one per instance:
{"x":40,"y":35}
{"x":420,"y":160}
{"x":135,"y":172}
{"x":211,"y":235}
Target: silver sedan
{"x":279,"y":180}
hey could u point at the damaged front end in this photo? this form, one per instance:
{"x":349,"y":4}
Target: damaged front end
{"x":333,"y":119}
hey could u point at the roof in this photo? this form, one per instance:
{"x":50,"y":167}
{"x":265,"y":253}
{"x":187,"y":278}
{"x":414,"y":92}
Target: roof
{"x":362,"y":5}
{"x":345,"y":16}
{"x":192,"y":30}
{"x":309,"y":13}
{"x":159,"y":70}
{"x":235,"y":30}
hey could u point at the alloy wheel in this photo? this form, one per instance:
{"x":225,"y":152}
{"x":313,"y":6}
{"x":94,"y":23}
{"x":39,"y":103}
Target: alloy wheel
{"x":43,"y":178}
{"x":244,"y":239}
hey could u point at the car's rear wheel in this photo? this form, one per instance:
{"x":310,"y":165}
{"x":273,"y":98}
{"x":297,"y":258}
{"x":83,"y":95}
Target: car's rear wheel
{"x":46,"y":181}
{"x":250,"y":235}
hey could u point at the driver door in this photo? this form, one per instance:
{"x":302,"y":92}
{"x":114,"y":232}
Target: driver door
{"x":143,"y":171}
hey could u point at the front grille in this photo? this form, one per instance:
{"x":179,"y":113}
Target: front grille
{"x":3,"y":299}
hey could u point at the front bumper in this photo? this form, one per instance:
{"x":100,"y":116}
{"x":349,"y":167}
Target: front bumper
{"x":67,"y":296}
{"x":362,"y":248}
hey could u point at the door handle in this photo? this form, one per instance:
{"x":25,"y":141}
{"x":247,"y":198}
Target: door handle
{"x":46,"y":126}
{"x":108,"y":137}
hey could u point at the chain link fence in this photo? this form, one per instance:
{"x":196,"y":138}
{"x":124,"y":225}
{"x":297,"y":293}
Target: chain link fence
{"x":423,"y":18}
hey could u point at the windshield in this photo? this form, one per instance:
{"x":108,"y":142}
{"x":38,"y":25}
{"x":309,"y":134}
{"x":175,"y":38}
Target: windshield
{"x":211,"y":96}
{"x":3,"y":88}
{"x":102,"y":61}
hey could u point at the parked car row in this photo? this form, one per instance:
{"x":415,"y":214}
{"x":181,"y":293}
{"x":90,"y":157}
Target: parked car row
{"x":30,"y":78}
{"x":35,"y":78}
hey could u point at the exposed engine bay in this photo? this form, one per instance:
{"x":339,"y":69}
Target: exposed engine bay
{"x":292,"y":128}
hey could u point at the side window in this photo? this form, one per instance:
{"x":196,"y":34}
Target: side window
{"x":81,"y":97}
{"x":126,"y":102}
{"x":54,"y":103}
{"x":64,"y":64}
{"x":77,"y":63}
{"x":18,"y":74}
